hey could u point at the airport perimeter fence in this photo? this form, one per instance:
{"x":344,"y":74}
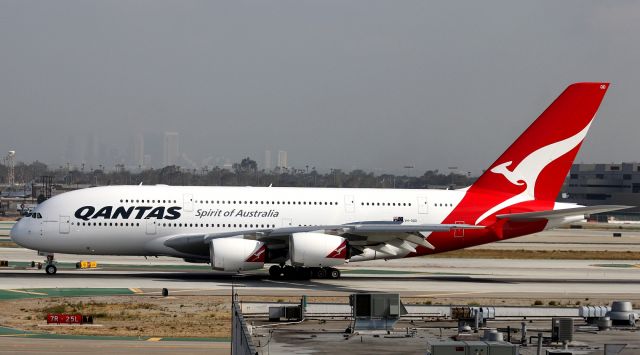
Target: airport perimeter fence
{"x":241,"y":343}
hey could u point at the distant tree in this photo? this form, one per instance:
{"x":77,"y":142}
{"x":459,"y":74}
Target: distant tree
{"x":248,"y":164}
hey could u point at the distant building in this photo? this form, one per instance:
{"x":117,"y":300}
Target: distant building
{"x":603,"y":184}
{"x":71,"y":152}
{"x":146,"y":161}
{"x":282,"y":159}
{"x":267,"y":160}
{"x":91,"y":150}
{"x":138,"y":150}
{"x":171,"y":151}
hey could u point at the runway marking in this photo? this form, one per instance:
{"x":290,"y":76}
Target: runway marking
{"x":28,"y":292}
{"x":453,"y":294}
{"x":136,"y":290}
{"x":154,"y":339}
{"x":288,"y":283}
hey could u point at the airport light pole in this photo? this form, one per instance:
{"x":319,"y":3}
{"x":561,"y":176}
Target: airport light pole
{"x":452,"y":170}
{"x":408,"y":167}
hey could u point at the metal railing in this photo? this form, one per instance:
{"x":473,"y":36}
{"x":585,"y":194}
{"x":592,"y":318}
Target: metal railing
{"x":241,"y":343}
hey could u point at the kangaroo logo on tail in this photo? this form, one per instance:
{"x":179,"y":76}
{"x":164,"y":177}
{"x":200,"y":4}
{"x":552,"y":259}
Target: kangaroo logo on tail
{"x":527,"y":171}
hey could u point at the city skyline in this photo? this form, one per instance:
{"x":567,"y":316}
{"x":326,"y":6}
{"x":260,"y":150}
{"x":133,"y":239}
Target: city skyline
{"x":136,"y":155}
{"x":377,"y":86}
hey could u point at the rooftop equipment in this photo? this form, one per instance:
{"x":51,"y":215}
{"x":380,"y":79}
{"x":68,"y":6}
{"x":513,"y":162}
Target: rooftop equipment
{"x":376,"y":311}
{"x":622,"y":313}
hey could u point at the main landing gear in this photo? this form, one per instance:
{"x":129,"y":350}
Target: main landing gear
{"x":288,"y":272}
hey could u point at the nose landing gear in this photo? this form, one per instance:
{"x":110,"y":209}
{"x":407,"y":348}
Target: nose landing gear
{"x":50,"y":267}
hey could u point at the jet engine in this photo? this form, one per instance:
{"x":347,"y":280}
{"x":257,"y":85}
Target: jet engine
{"x":236,"y":254}
{"x":317,"y":249}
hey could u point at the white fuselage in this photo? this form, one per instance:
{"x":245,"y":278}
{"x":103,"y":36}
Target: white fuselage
{"x":210,"y":210}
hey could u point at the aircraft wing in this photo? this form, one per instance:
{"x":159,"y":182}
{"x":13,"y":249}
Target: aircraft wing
{"x":554,"y":214}
{"x":360,"y":227}
{"x":359,"y":233}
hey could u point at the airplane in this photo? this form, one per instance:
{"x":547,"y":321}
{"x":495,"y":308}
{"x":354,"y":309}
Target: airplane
{"x":306,"y":232}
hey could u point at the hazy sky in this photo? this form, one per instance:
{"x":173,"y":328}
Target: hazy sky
{"x":364,"y":84}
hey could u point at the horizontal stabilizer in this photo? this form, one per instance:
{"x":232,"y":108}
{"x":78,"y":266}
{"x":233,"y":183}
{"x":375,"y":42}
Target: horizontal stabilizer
{"x":566,"y":212}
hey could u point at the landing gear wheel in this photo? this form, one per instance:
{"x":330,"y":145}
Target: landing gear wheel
{"x":320,"y":273}
{"x":334,"y":273}
{"x":289,"y":272}
{"x":50,"y":269}
{"x":303,"y":273}
{"x":275,"y":272}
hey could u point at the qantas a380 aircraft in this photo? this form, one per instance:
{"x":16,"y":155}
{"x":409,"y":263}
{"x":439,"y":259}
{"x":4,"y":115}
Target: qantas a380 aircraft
{"x":306,"y":232}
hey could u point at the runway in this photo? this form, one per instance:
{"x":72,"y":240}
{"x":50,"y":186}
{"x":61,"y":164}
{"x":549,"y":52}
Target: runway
{"x":414,"y":277}
{"x":422,"y":276}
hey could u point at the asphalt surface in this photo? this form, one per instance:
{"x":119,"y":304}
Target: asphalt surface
{"x":413,"y":276}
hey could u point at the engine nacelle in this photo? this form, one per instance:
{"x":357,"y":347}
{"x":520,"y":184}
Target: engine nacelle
{"x":317,"y":249}
{"x":236,"y":254}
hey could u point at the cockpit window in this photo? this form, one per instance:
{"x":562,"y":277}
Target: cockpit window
{"x":34,"y":215}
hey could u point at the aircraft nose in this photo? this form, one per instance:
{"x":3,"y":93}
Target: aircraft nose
{"x":18,"y":232}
